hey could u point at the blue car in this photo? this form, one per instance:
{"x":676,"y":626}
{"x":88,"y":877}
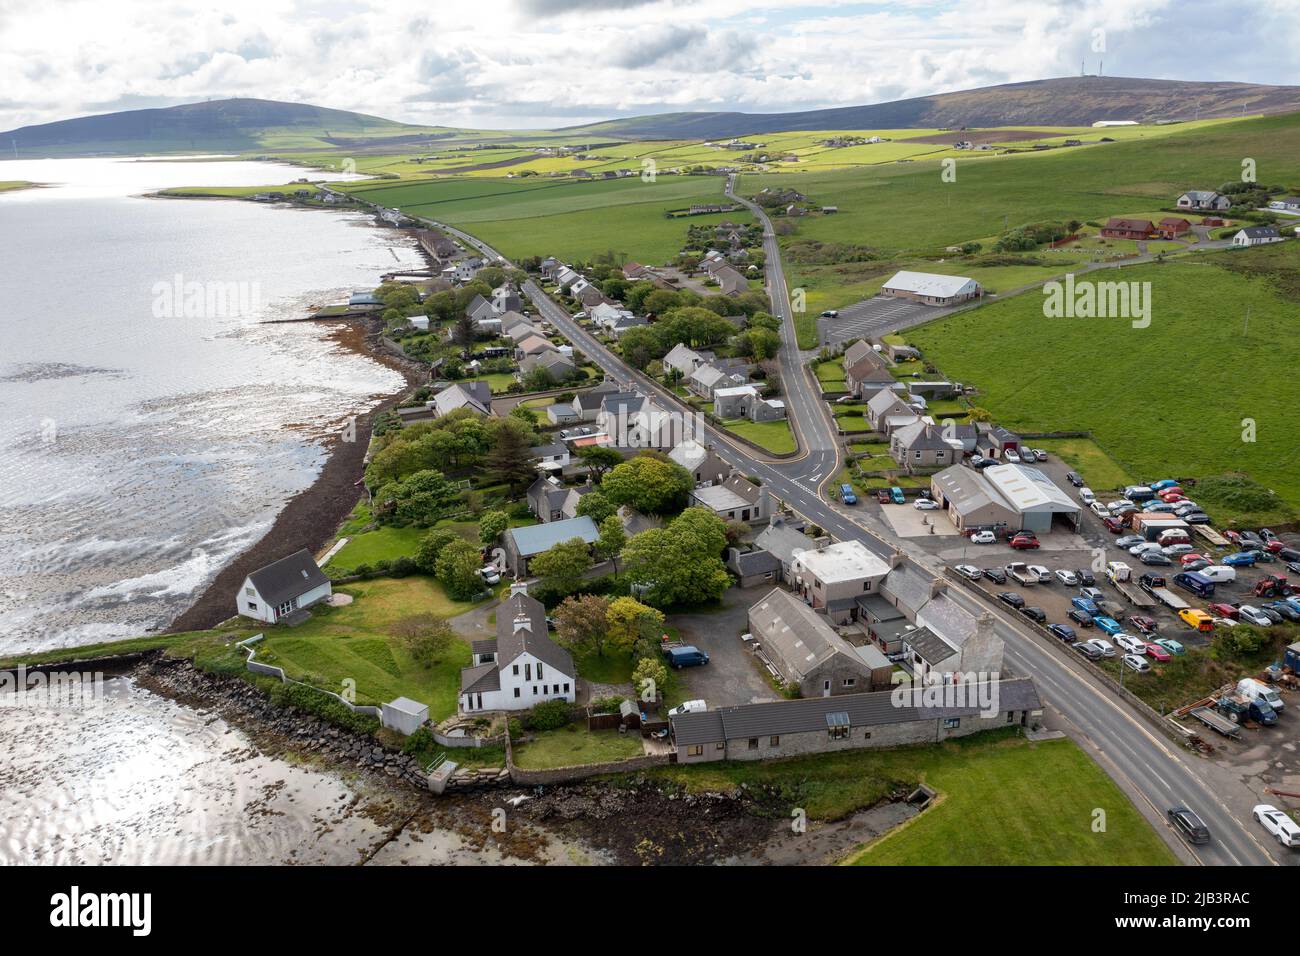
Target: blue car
{"x":1108,"y":624}
{"x":1084,"y":604}
{"x":847,"y":496}
{"x":1063,"y":631}
{"x":1162,"y":484}
{"x":1159,"y":507}
{"x":1242,"y":559}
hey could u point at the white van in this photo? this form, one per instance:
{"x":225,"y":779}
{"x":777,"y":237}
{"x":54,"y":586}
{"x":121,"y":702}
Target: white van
{"x":1252,"y":689}
{"x":1219,"y":573}
{"x":1086,"y":495}
{"x":689,"y":707}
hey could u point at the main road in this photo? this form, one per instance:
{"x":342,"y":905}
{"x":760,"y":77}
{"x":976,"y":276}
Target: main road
{"x":1150,"y":768}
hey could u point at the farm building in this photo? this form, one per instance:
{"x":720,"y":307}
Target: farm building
{"x":1013,"y":495}
{"x":805,"y":649}
{"x":931,"y":288}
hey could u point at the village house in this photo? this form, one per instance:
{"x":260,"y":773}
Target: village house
{"x":789,"y":728}
{"x":1128,"y":229}
{"x":283,"y":589}
{"x":746,"y":401}
{"x":506,"y":299}
{"x":1171,"y":227}
{"x":588,"y":404}
{"x":922,"y":445}
{"x":869,"y":377}
{"x":1204,"y":199}
{"x":784,"y":538}
{"x":707,"y":378}
{"x":546,"y":497}
{"x":735,"y":499}
{"x":476,"y":396}
{"x":832,"y":578}
{"x":809,"y":655}
{"x":552,"y":457}
{"x":557,"y":364}
{"x":706,"y":466}
{"x":522,"y":666}
{"x":532,"y":344}
{"x":683,"y":360}
{"x":523,"y":544}
{"x":753,"y":567}
{"x":1285,"y":204}
{"x":479,"y":308}
{"x":1256,"y":236}
{"x":886,"y":411}
{"x":931,"y":288}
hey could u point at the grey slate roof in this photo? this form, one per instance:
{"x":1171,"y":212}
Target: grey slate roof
{"x":488,"y":646}
{"x":809,"y":714}
{"x":531,"y":638}
{"x":746,"y":563}
{"x":480,"y":679}
{"x":930,"y":645}
{"x":288,"y":578}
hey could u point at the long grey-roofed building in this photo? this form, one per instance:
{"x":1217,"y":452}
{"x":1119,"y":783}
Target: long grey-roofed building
{"x":524,"y":543}
{"x":789,"y":728}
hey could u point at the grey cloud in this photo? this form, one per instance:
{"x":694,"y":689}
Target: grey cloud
{"x":555,"y":7}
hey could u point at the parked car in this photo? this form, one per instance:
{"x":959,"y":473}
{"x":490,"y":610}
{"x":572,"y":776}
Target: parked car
{"x":1155,"y":558}
{"x":983,"y":537}
{"x":1248,"y":614}
{"x":1085,"y":577}
{"x":1241,"y":559}
{"x":996,"y":575}
{"x":1034,"y":613}
{"x":925,"y":504}
{"x":1130,"y":643}
{"x":1199,"y":564}
{"x":1074,"y":478}
{"x":689,"y":707}
{"x":1223,"y":610}
{"x":1147,"y":625}
{"x":1099,"y":509}
{"x":1158,"y":653}
{"x":1176,"y":550}
{"x":969,"y":572}
{"x":1086,"y":496}
{"x":1136,"y":662}
{"x":688,"y":656}
{"x":1143,"y":548}
{"x":1113,"y":525}
{"x":1105,"y":647}
{"x":1172,"y":646}
{"x":882,"y":496}
{"x":1188,"y":825}
{"x":1039,"y":454}
{"x":1284,"y":610}
{"x":1088,"y":650}
{"x":896,"y":495}
{"x":1129,"y":540}
{"x":1118,"y":505}
{"x":1092,"y":594}
{"x":1063,"y":631}
{"x":1111,"y":609}
{"x":1011,"y":455}
{"x":1196,"y":619}
{"x":1218,"y":573}
{"x":1011,"y":599}
{"x":1162,"y":484}
{"x":1087,"y":605}
{"x":1196,"y":517}
{"x":1066,"y":577}
{"x":1082,"y":618}
{"x":831,"y":314}
{"x":847,"y":494}
{"x":1190,"y":557}
{"x":1044,"y":575}
{"x":981,"y":463}
{"x":490,"y":575}
{"x":1278,"y":824}
{"x":1107,"y":624}
{"x":1022,"y":543}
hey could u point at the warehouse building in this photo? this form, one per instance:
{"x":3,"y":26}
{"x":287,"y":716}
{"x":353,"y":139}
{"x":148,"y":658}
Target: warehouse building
{"x":1016,"y":496}
{"x":931,"y":288}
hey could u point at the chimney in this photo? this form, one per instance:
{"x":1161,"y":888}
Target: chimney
{"x":895,"y":558}
{"x":937,"y":587}
{"x":984,"y":628}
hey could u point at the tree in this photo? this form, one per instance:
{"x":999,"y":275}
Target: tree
{"x":491,"y":525}
{"x":562,"y":566}
{"x":423,"y":498}
{"x":679,"y":564}
{"x":581,"y":624}
{"x":649,"y":483}
{"x":612,"y":540}
{"x":464,"y":331}
{"x":595,"y":506}
{"x":661,"y":301}
{"x":458,"y":567}
{"x":431,"y":545}
{"x":599,"y":460}
{"x":511,"y":460}
{"x":701,"y":531}
{"x":649,"y":677}
{"x":426,"y":637}
{"x":633,"y":624}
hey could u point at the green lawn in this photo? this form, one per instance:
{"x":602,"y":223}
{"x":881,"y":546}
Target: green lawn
{"x":775,"y":436}
{"x":355,"y":642}
{"x":1194,"y":394}
{"x":380,"y":544}
{"x":1098,"y":469}
{"x":574,"y":745}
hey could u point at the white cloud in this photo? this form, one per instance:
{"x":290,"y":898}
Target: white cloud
{"x":522,"y":63}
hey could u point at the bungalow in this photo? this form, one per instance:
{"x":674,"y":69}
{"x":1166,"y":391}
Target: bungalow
{"x":522,"y":666}
{"x":511,"y":320}
{"x":1171,"y":227}
{"x":523,"y":544}
{"x":922,"y":445}
{"x":1203,"y":199}
{"x":789,"y":728}
{"x":706,"y":466}
{"x":551,"y":457}
{"x":707,"y":378}
{"x":883,"y":407}
{"x":1256,"y":236}
{"x":1285,"y":204}
{"x":519,"y":331}
{"x":476,"y":396}
{"x":590,"y":296}
{"x":832,"y":578}
{"x":1128,"y":229}
{"x":506,"y":299}
{"x":931,"y":288}
{"x":606,"y":314}
{"x":859,"y":350}
{"x":558,"y":366}
{"x":805,"y":650}
{"x":480,"y":308}
{"x":625,"y":321}
{"x":869,"y":375}
{"x":730,"y":281}
{"x":683,"y":360}
{"x":735,"y":499}
{"x":283,"y":588}
{"x":745,"y":401}
{"x":532,"y":344}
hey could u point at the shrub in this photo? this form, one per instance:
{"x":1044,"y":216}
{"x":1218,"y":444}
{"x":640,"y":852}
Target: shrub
{"x":419,"y":741}
{"x":550,"y":715}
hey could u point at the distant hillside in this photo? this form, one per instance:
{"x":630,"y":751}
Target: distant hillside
{"x":235,"y":125}
{"x":1066,"y":101}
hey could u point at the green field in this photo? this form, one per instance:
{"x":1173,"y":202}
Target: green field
{"x":1173,"y":398}
{"x":574,"y":745}
{"x":775,"y":436}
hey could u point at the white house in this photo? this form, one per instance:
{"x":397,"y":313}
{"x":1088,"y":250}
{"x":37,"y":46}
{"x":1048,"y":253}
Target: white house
{"x":274,"y":592}
{"x":1256,"y":236}
{"x":522,"y":667}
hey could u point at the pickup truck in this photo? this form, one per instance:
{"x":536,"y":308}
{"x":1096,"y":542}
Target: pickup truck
{"x":1154,"y":585}
{"x":1120,"y":576}
{"x":1021,"y":574}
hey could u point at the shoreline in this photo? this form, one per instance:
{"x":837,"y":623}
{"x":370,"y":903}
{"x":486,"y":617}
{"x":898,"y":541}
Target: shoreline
{"x":311,"y":517}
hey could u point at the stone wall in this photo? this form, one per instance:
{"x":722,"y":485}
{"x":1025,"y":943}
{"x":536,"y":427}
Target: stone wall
{"x":570,"y":774}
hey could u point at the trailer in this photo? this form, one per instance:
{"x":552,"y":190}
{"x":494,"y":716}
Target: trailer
{"x":1212,"y":536}
{"x":1154,"y":585}
{"x":1120,"y":576}
{"x":1217,"y":722}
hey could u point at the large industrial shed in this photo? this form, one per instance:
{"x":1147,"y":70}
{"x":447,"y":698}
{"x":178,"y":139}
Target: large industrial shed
{"x":1015,"y":495}
{"x":931,"y":288}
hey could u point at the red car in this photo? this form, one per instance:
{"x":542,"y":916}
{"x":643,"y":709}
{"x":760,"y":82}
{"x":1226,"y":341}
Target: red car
{"x":1144,"y":624}
{"x":1113,"y":525}
{"x":1233,"y":536}
{"x":1275,"y":546}
{"x":1156,"y":652}
{"x":1172,"y":497}
{"x":1166,"y":493}
{"x":1023,"y":543}
{"x":1189,"y":558}
{"x":1223,"y":610}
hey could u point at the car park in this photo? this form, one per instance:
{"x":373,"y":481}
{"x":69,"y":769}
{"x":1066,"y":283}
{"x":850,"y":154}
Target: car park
{"x":1034,"y":613}
{"x":1188,"y":825}
{"x":1082,"y":618}
{"x":1066,"y":577}
{"x":969,"y":572}
{"x":1063,"y":631}
{"x":1137,"y":663}
{"x":1107,"y":624}
{"x":1279,"y":825}
{"x":996,"y":575}
{"x":1011,"y":599}
{"x":983,"y":537}
{"x":1130,"y":643}
{"x":1105,"y":647}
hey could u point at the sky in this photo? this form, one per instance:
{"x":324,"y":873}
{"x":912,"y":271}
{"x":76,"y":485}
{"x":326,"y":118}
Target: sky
{"x":521,"y":64}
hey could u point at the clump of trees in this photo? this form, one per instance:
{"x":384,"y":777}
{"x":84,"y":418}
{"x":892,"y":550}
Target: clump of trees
{"x":680,"y":564}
